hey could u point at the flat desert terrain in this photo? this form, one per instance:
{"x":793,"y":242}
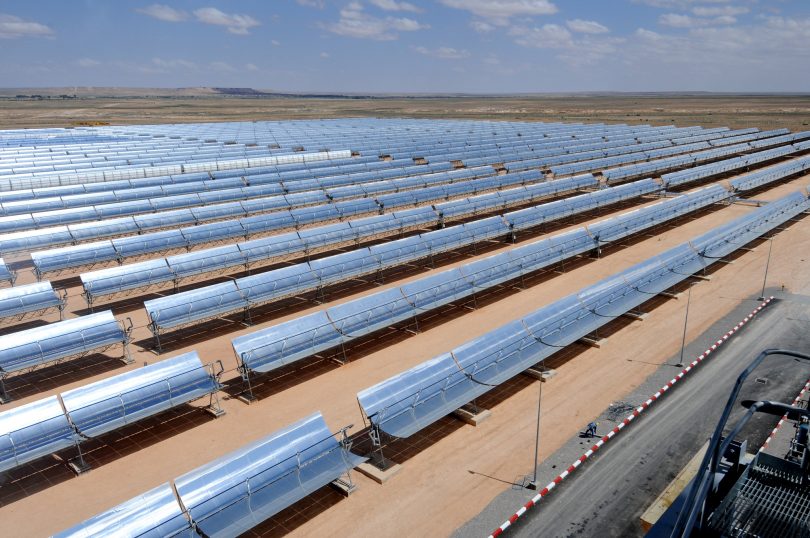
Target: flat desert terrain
{"x":199,"y":105}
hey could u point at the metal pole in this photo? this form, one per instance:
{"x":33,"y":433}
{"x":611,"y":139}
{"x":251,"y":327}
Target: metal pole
{"x":767,"y":264}
{"x":685,"y":322}
{"x":533,"y":483}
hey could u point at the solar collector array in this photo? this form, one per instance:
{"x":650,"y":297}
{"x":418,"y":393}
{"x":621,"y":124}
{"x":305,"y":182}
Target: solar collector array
{"x":230,"y":202}
{"x":21,"y":301}
{"x":353,"y":264}
{"x":178,"y":155}
{"x":406,"y":403}
{"x":302,"y":337}
{"x":153,"y":514}
{"x":562,"y":153}
{"x":55,"y":236}
{"x":20,"y":208}
{"x":114,"y":402}
{"x":51,"y":424}
{"x":759,"y":178}
{"x":224,"y":174}
{"x":75,"y":337}
{"x":700,"y":151}
{"x":231,"y":495}
{"x":50,"y":180}
{"x":172,"y":157}
{"x":295,"y":218}
{"x":7,"y":275}
{"x":382,"y":133}
{"x":295,"y":209}
{"x":33,"y":430}
{"x":243,"y":293}
{"x":644,"y":169}
{"x":728,"y":165}
{"x":319,"y":137}
{"x":203,"y":181}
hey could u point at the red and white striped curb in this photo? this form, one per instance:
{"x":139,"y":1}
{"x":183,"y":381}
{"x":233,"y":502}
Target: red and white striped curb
{"x":636,"y":412}
{"x":784,"y":417}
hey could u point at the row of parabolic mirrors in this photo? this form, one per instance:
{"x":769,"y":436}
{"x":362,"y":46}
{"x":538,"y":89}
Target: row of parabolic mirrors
{"x":130,"y":210}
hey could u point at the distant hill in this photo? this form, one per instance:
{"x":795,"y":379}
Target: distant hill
{"x":99,"y":91}
{"x":85,"y":92}
{"x":251,"y":92}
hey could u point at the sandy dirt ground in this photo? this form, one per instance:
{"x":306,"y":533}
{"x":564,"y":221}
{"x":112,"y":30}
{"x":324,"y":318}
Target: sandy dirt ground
{"x":145,"y":106}
{"x":451,"y":472}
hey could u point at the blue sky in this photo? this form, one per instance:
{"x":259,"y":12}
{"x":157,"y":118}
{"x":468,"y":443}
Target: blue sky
{"x":475,"y":46}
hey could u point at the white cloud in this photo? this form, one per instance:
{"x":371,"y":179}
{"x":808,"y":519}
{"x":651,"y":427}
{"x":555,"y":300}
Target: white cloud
{"x":163,"y":66}
{"x":719,"y":11}
{"x":312,"y":3}
{"x":354,"y":22}
{"x":586,"y":27}
{"x":275,"y":42}
{"x":771,"y":43}
{"x":585,"y":50}
{"x":498,"y":12}
{"x":167,"y":65}
{"x":406,"y":25}
{"x":251,"y":67}
{"x":505,"y":67}
{"x":679,"y":4}
{"x":221,"y":66}
{"x":12,"y":27}
{"x":677,"y":20}
{"x":393,"y":5}
{"x":790,"y":28}
{"x":88,"y":62}
{"x":725,"y":19}
{"x":163,"y":13}
{"x":159,"y":66}
{"x":235,"y":23}
{"x":548,"y":36}
{"x":481,"y":27}
{"x":443,"y":53}
{"x":324,"y":55}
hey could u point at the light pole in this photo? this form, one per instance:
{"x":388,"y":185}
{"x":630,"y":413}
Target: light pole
{"x":533,"y":483}
{"x":685,"y":322}
{"x":767,"y":264}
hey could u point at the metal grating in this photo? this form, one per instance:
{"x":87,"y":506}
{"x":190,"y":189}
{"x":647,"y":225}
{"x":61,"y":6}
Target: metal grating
{"x":772,"y":498}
